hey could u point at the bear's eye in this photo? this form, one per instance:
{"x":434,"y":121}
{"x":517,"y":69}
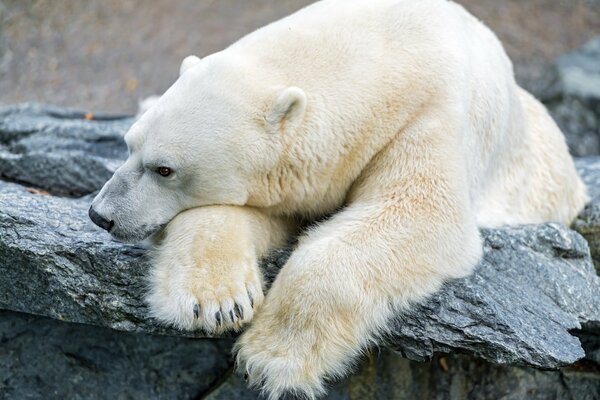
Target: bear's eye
{"x":164,"y":171}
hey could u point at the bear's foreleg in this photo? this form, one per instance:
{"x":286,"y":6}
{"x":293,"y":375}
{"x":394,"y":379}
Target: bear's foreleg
{"x":407,"y":228}
{"x":205,"y":271}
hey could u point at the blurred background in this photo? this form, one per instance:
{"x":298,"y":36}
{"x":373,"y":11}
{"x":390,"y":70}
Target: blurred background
{"x":105,"y":55}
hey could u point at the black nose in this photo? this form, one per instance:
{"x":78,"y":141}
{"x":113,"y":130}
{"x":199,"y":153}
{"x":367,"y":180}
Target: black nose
{"x":100,"y":220}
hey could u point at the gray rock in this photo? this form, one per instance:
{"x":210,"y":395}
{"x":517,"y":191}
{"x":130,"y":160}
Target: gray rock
{"x":580,"y":71}
{"x":589,"y":170}
{"x":55,"y":263}
{"x":574,"y":99}
{"x":588,"y":221}
{"x":518,"y":302}
{"x":42,"y":358}
{"x":386,"y":375}
{"x":59,"y":150}
{"x":535,"y":284}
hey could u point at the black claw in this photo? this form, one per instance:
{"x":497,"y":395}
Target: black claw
{"x":251,"y":300}
{"x":239,"y":311}
{"x":219,"y":318}
{"x":196,"y":310}
{"x":231,"y":316}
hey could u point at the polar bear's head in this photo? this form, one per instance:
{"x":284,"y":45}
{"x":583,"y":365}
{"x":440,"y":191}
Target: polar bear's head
{"x":210,"y":139}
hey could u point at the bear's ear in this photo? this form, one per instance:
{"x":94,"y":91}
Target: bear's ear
{"x":188,"y":63}
{"x":289,"y":107}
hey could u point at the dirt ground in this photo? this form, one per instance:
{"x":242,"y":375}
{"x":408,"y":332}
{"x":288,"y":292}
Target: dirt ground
{"x":105,"y":55}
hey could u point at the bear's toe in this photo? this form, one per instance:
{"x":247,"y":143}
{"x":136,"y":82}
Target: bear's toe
{"x":201,"y":306}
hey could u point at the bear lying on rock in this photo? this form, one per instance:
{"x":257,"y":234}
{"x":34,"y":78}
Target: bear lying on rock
{"x":399,"y":120}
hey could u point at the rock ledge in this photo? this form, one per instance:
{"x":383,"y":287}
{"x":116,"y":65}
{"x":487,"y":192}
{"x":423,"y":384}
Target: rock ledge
{"x":535,"y":285}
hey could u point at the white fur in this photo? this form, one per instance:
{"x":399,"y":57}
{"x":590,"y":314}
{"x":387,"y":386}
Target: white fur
{"x":188,"y":63}
{"x":214,"y":284}
{"x":145,"y":104}
{"x":402,"y":118}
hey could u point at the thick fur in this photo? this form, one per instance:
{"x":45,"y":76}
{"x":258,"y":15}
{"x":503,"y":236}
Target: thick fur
{"x":217,"y":275}
{"x":402,"y":118}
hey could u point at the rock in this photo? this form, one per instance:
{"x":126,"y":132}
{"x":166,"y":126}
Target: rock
{"x":57,"y":264}
{"x":588,"y":221}
{"x":59,"y":150}
{"x":42,"y":358}
{"x":589,"y":170}
{"x":535,"y":285}
{"x":574,"y":99}
{"x":387,"y":375}
{"x":517,"y":302}
{"x":580,"y":71}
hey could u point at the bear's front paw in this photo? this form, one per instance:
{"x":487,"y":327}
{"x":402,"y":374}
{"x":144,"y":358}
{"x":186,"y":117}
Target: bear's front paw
{"x":209,"y":296}
{"x":280,"y":362}
{"x":286,"y":352}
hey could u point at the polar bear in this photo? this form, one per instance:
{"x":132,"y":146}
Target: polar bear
{"x":395,"y":126}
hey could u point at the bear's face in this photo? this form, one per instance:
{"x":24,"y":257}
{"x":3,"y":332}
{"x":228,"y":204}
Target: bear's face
{"x":208,"y":140}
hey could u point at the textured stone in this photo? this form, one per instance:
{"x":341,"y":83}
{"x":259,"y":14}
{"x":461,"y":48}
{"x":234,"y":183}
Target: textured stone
{"x":574,"y":99}
{"x":42,"y":358}
{"x":58,"y":149}
{"x":47,"y":359}
{"x":386,"y":375}
{"x":588,"y":221}
{"x":55,"y":263}
{"x":534,"y":286}
{"x":580,"y":71}
{"x":589,"y":170}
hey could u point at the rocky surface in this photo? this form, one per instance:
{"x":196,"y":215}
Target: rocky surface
{"x":47,"y":359}
{"x":534,"y":289}
{"x":529,"y":290}
{"x":386,"y":375}
{"x":59,"y":149}
{"x":588,"y":222}
{"x":42,"y":358}
{"x":574,"y":100}
{"x":534,"y":285}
